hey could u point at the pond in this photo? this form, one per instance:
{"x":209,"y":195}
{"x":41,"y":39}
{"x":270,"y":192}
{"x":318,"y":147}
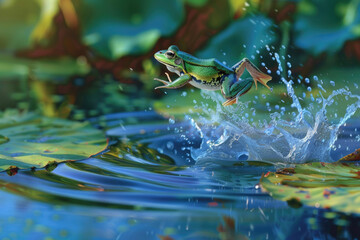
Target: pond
{"x":92,"y":147}
{"x":146,"y":185}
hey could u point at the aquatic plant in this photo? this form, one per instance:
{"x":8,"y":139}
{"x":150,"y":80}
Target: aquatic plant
{"x":320,"y":185}
{"x":29,"y":141}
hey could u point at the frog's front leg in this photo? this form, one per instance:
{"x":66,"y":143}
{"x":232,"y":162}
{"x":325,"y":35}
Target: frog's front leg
{"x":232,"y":89}
{"x":255,"y":73}
{"x":179,"y":82}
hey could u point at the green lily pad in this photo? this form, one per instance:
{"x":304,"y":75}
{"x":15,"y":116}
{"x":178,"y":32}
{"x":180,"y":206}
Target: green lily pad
{"x":321,"y":185}
{"x":32,"y":141}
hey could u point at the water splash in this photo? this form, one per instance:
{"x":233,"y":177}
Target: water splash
{"x":230,"y":135}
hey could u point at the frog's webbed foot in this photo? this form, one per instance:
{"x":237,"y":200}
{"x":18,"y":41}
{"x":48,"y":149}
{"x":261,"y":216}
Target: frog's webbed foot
{"x":230,"y":101}
{"x":255,"y":73}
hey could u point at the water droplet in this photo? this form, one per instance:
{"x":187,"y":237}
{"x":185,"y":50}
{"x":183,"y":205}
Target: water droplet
{"x":171,"y":120}
{"x":170,"y":145}
{"x":308,"y":88}
{"x":307,"y":80}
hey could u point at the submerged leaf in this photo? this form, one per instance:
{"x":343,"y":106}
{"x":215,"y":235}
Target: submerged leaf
{"x":322,"y":185}
{"x":43,"y":142}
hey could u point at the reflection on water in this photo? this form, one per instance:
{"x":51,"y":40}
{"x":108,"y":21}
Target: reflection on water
{"x":147,"y":186}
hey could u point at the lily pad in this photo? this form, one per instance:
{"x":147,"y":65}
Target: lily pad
{"x":321,"y":185}
{"x":32,"y":141}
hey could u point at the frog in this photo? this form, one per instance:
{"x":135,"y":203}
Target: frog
{"x":209,"y":74}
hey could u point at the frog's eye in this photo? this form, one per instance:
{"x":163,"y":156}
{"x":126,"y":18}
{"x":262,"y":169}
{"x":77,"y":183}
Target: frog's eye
{"x":170,"y":54}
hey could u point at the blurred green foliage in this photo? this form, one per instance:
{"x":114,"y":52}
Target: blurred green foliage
{"x":77,"y":58}
{"x":128,"y":27}
{"x":324,"y":26}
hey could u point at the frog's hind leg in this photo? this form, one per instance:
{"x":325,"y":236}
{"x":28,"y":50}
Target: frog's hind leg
{"x":255,"y":73}
{"x":232,"y":90}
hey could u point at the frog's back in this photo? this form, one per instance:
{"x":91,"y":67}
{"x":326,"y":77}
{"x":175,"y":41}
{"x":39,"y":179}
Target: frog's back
{"x":206,"y":73}
{"x":208,"y":63}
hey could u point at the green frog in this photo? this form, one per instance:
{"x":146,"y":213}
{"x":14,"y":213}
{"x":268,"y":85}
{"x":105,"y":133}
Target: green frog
{"x":209,"y":74}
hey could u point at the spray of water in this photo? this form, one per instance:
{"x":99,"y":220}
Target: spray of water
{"x":229,"y":134}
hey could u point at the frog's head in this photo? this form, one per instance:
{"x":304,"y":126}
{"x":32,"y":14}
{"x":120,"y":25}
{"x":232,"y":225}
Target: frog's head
{"x":170,"y":59}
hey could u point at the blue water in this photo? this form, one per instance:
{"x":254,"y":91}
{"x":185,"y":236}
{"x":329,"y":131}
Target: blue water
{"x":147,"y":185}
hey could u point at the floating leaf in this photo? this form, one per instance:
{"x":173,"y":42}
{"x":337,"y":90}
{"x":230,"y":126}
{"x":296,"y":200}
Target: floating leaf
{"x":355,"y":156}
{"x":322,"y":185}
{"x":34,"y":141}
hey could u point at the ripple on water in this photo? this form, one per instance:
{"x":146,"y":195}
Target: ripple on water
{"x":140,"y":171}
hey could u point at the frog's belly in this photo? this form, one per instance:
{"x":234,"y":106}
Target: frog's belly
{"x":205,"y":86}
